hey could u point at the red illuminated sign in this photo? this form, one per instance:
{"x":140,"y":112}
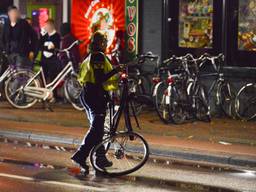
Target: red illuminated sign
{"x":89,"y":16}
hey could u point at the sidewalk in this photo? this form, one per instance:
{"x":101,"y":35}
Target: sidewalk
{"x":222,"y":141}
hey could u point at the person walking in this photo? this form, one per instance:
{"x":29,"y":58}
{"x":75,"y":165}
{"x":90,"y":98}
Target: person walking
{"x":17,"y":39}
{"x":48,"y":42}
{"x":97,"y":78}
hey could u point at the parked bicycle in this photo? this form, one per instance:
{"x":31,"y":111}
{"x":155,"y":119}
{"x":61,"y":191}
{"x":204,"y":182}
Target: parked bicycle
{"x":187,"y":96}
{"x":181,"y":66}
{"x":31,"y":90}
{"x":7,"y":70}
{"x":225,"y":95}
{"x":173,"y":70}
{"x":140,"y":80}
{"x":127,"y":149}
{"x":245,"y":102}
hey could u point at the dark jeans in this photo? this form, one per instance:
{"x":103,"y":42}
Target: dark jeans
{"x":19,"y":61}
{"x":95,"y":107}
{"x":51,"y":68}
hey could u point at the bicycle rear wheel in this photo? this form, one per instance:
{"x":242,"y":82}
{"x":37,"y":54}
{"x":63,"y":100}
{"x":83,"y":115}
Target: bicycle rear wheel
{"x":14,"y":90}
{"x":226,"y":99}
{"x":72,"y":90}
{"x":161,"y":102}
{"x":245,"y":103}
{"x":127,"y":151}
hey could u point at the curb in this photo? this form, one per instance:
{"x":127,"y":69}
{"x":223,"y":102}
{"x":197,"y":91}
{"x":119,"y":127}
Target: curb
{"x":225,"y":159}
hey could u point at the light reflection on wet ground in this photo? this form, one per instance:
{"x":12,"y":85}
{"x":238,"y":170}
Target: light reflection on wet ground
{"x":43,"y":171}
{"x":62,"y":174}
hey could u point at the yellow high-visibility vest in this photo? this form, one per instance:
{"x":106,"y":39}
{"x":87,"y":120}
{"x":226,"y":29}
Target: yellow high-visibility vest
{"x":86,"y":74}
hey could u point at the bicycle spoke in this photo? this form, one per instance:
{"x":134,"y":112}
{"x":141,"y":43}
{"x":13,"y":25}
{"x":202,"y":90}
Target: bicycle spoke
{"x":127,"y":151}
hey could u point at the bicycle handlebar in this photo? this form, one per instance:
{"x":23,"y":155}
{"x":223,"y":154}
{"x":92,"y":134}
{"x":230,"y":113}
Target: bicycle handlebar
{"x":148,"y":55}
{"x":77,"y":42}
{"x":175,"y":58}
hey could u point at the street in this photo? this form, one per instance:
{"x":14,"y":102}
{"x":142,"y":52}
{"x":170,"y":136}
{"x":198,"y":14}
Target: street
{"x":127,"y":96}
{"x":39,"y":167}
{"x":31,"y":164}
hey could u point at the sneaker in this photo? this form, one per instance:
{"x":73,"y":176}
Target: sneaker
{"x":82,"y":164}
{"x":103,"y":162}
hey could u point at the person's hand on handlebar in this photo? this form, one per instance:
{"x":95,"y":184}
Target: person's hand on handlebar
{"x":121,"y":67}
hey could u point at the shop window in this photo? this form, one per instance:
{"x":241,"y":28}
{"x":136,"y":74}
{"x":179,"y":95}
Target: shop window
{"x":196,"y":23}
{"x":247,"y":25}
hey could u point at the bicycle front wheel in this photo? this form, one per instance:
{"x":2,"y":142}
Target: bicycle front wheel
{"x":127,"y":151}
{"x":202,"y":106}
{"x":72,"y":90}
{"x":245,"y":103}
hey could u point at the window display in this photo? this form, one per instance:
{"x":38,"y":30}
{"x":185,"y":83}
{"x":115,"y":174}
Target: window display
{"x":247,"y":25}
{"x":196,"y":23}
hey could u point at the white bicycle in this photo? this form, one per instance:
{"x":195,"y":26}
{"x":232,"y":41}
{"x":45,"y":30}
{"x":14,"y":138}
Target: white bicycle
{"x":23,"y":92}
{"x":7,"y":70}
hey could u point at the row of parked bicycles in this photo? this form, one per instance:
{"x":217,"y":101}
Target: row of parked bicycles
{"x":175,"y":88}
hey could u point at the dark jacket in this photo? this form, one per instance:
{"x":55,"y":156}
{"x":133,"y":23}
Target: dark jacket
{"x":1,"y":36}
{"x":66,"y":41}
{"x":55,"y":39}
{"x":23,"y":40}
{"x":34,"y":43}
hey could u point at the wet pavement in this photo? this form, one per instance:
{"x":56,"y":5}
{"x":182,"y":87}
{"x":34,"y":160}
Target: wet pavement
{"x":30,"y":166}
{"x":225,"y":141}
{"x":34,"y":167}
{"x":220,"y":130}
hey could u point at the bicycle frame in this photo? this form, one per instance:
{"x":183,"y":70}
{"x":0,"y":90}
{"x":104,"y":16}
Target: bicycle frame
{"x":7,"y":72}
{"x":123,"y":109}
{"x":45,"y":92}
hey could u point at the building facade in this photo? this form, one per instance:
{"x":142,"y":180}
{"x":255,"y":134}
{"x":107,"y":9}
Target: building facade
{"x":168,"y":27}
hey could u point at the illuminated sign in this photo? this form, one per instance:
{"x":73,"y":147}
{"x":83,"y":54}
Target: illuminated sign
{"x":132,"y":17}
{"x":105,"y":15}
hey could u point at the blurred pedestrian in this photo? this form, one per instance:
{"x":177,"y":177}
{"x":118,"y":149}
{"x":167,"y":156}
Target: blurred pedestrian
{"x":34,"y":41}
{"x":17,"y":39}
{"x":48,"y":42}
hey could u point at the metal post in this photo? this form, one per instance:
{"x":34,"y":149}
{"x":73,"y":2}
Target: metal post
{"x":224,"y":30}
{"x":65,"y":10}
{"x":164,"y":28}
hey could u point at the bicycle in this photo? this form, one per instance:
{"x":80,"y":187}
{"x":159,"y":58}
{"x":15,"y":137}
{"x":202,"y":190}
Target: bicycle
{"x":225,"y":96}
{"x":183,"y":96}
{"x":30,"y":91}
{"x":7,"y":70}
{"x":188,"y":96}
{"x":165,"y":76}
{"x":127,"y":149}
{"x":139,"y":81}
{"x":245,"y":102}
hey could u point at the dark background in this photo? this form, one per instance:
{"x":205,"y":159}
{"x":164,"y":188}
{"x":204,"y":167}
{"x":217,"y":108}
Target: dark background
{"x":4,"y":4}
